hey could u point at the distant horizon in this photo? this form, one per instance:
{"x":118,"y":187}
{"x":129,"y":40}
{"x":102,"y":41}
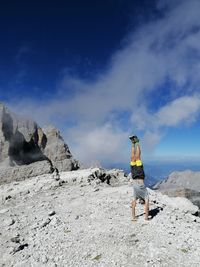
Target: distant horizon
{"x":158,"y":171}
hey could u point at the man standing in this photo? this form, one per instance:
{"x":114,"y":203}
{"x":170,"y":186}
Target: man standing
{"x":138,"y":175}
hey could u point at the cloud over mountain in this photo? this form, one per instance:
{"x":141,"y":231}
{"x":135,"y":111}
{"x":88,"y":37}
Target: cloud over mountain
{"x":150,"y":83}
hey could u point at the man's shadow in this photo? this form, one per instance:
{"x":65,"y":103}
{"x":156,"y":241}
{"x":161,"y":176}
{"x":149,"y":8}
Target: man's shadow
{"x":152,"y":213}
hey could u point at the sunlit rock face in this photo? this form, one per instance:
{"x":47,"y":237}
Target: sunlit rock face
{"x":23,"y":142}
{"x":57,"y":151}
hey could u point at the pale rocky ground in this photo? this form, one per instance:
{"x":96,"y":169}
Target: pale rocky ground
{"x":81,"y":222}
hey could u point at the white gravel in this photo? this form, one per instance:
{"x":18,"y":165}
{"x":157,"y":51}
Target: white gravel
{"x":45,"y":224}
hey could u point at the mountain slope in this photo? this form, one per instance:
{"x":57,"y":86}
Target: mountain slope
{"x":80,"y":221}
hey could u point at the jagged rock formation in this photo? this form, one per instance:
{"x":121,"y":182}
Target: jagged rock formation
{"x":54,"y":147}
{"x":185,"y":184}
{"x":23,"y":143}
{"x":82,"y":221}
{"x":18,"y":140}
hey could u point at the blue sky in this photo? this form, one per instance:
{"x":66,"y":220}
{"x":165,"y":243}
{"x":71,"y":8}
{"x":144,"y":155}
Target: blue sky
{"x":101,"y":70}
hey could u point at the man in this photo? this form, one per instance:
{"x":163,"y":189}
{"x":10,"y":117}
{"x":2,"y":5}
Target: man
{"x":138,"y":175}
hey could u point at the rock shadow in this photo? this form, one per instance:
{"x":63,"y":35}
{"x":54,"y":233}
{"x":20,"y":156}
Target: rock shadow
{"x":20,"y":151}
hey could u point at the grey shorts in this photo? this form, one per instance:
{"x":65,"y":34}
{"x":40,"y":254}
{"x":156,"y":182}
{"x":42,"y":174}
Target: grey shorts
{"x":140,"y":191}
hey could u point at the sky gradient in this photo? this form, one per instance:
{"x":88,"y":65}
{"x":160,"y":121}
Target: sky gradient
{"x":102,"y":70}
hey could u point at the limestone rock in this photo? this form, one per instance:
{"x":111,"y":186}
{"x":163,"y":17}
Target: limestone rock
{"x":57,"y":151}
{"x":182,"y":184}
{"x":18,"y":140}
{"x":186,"y":179}
{"x":23,"y":143}
{"x":23,"y":172}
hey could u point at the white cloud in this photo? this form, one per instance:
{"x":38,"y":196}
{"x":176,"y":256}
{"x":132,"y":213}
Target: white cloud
{"x":180,"y":110}
{"x":164,"y":49}
{"x":101,"y":142}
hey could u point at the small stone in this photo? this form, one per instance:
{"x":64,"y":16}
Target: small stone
{"x":15,"y":239}
{"x":96,"y":189}
{"x":20,"y":247}
{"x":10,"y":189}
{"x":10,"y":221}
{"x":77,"y":217}
{"x":97,"y":257}
{"x":51,"y":213}
{"x":45,"y":223}
{"x":8,"y":197}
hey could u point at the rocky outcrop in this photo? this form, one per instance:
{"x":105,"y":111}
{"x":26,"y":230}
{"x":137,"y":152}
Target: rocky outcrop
{"x":184,"y":184}
{"x":22,"y":172}
{"x":54,"y":148}
{"x":23,"y":142}
{"x":186,"y":179}
{"x":18,"y":140}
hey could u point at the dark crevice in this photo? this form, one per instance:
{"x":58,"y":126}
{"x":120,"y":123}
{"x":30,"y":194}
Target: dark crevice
{"x":20,"y":151}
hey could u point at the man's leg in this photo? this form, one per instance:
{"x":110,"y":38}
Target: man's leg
{"x":146,"y":209}
{"x":133,"y":209}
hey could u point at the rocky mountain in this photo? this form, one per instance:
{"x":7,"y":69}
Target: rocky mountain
{"x":23,"y":145}
{"x":185,"y":184}
{"x":56,"y":150}
{"x":83,"y":218}
{"x":185,"y":179}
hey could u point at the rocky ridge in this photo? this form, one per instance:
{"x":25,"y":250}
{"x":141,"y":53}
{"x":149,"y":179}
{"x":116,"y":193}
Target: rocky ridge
{"x":181,"y":179}
{"x":26,"y":150}
{"x":184,"y":184}
{"x":83,"y":218}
